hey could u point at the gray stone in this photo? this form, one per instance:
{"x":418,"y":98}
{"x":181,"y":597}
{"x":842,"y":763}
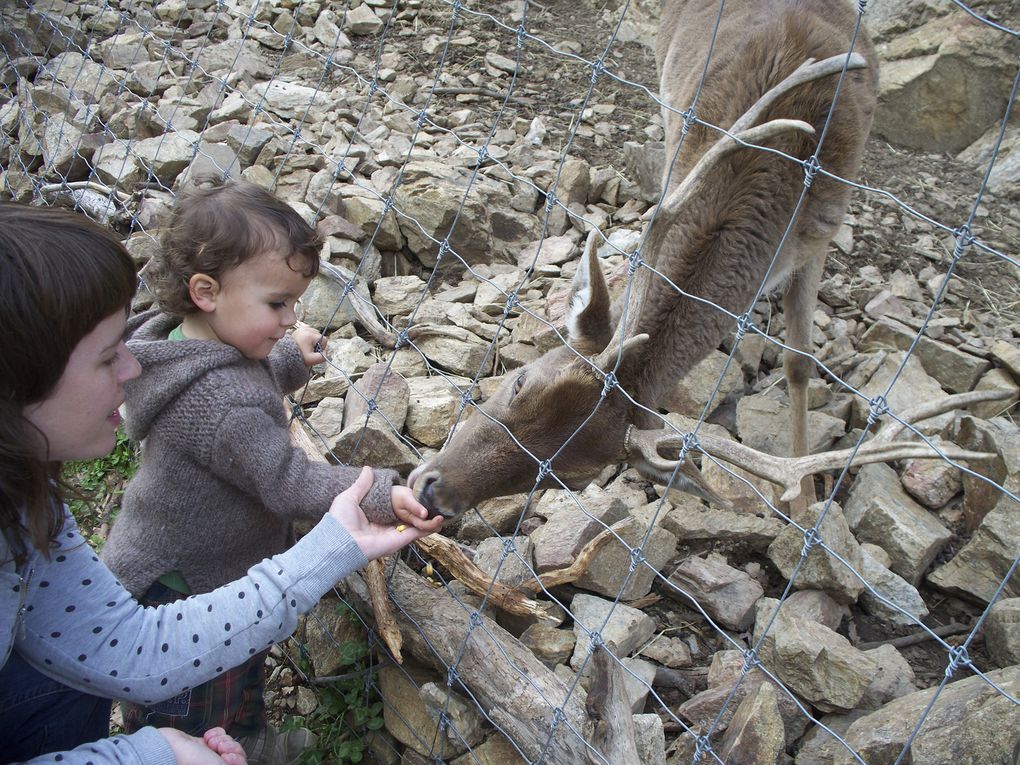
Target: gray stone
{"x":609,"y":571}
{"x":889,"y":597}
{"x":880,"y":512}
{"x":727,"y":594}
{"x":507,"y":560}
{"x":627,"y":628}
{"x":822,"y":569}
{"x":755,"y":735}
{"x":1002,"y":632}
{"x":816,"y":663}
{"x":983,"y":563}
{"x":389,"y":392}
{"x":955,"y":370}
{"x":964,"y":726}
{"x":432,"y":409}
{"x":964,"y":62}
{"x":572,"y":522}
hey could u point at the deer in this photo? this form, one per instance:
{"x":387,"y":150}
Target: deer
{"x":723,"y":234}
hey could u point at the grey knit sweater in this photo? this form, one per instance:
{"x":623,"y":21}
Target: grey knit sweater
{"x":219,"y":481}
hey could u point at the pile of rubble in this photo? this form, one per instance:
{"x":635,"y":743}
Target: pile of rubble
{"x":116,"y":107}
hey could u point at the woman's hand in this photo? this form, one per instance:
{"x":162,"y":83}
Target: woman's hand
{"x":214,"y":748}
{"x":374,"y":539}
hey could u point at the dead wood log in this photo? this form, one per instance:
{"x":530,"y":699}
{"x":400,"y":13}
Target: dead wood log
{"x":610,"y":711}
{"x":529,"y":703}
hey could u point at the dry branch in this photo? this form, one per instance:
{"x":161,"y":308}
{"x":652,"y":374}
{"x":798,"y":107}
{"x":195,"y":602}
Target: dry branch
{"x":374,"y":578}
{"x":454,"y":560}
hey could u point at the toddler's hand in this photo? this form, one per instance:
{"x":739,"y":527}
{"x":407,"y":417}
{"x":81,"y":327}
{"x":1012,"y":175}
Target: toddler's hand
{"x":409,"y":510}
{"x":374,"y":539}
{"x":307,"y":337}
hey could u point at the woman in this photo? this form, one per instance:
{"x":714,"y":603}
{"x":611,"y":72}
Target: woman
{"x":71,"y":637}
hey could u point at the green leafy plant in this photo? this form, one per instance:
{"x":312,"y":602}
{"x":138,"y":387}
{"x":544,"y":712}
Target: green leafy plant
{"x":97,"y":485}
{"x":348,"y":708}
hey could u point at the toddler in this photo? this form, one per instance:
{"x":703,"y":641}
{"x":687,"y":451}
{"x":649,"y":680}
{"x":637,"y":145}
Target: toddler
{"x":219,"y":482}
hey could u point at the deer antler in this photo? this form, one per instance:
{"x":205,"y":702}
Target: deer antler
{"x":742,"y":132}
{"x":788,"y":471}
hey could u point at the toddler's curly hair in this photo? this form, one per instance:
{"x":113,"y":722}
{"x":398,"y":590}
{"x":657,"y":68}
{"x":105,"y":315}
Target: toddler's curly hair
{"x":216,"y":226}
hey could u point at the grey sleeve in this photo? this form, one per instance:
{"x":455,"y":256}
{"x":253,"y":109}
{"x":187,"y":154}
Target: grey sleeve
{"x":253,"y":453}
{"x":287,"y":365}
{"x":80,"y":626}
{"x":146,"y":747}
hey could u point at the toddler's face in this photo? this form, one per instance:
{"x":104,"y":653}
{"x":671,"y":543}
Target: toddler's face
{"x":255,"y":304}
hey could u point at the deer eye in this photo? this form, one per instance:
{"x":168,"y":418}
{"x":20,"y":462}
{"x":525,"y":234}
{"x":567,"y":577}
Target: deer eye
{"x":518,"y":384}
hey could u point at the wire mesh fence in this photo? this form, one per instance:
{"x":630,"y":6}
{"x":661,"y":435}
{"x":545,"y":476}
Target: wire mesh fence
{"x":456,"y":157}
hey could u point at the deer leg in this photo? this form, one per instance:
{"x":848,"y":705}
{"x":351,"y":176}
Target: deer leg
{"x":798,"y":308}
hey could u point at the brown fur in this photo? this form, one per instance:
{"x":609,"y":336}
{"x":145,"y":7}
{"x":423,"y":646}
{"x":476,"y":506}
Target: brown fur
{"x":718,"y":247}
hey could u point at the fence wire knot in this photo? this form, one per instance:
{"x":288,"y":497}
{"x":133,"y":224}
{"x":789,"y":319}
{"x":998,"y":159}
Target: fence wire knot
{"x":597,"y":68}
{"x":452,"y":677}
{"x":508,"y":547}
{"x":811,"y":540}
{"x":688,"y":444}
{"x":690,"y":117}
{"x":444,"y":247}
{"x":862,"y":7}
{"x":637,"y":557}
{"x":512,"y":301}
{"x":373,"y":86}
{"x":744,"y":323}
{"x":964,"y":239}
{"x":444,"y":720}
{"x":348,"y":288}
{"x":483,"y":152}
{"x":475,"y":620}
{"x":877,"y":407}
{"x":634,"y":261}
{"x":751,"y":660}
{"x":550,"y":201}
{"x":522,"y":34}
{"x":957,"y":657}
{"x":595,"y":640}
{"x":402,"y":339}
{"x":422,"y":118}
{"x":372,"y":406}
{"x":466,"y":399}
{"x":387,"y":204}
{"x":609,"y":383}
{"x":544,"y":469}
{"x":557,"y":717}
{"x":701,"y":746}
{"x":811,"y":168}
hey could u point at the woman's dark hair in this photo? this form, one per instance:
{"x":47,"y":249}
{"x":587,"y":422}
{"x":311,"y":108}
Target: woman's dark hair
{"x":215,"y":227}
{"x":60,"y":276}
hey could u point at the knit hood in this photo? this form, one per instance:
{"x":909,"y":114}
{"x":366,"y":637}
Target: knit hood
{"x":171,"y":367}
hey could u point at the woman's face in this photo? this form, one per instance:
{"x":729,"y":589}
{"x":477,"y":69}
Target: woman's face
{"x":79,"y":418}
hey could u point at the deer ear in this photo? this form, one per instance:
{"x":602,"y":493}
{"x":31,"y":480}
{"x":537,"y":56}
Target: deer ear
{"x":588,"y":308}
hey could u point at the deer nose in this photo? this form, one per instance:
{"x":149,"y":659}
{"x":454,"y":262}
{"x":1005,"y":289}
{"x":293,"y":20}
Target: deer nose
{"x":426,"y":487}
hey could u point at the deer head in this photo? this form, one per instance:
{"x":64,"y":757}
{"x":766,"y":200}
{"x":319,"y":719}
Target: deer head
{"x":552,"y":422}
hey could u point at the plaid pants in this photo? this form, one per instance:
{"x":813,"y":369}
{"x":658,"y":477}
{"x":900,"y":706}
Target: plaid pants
{"x":233,"y":700}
